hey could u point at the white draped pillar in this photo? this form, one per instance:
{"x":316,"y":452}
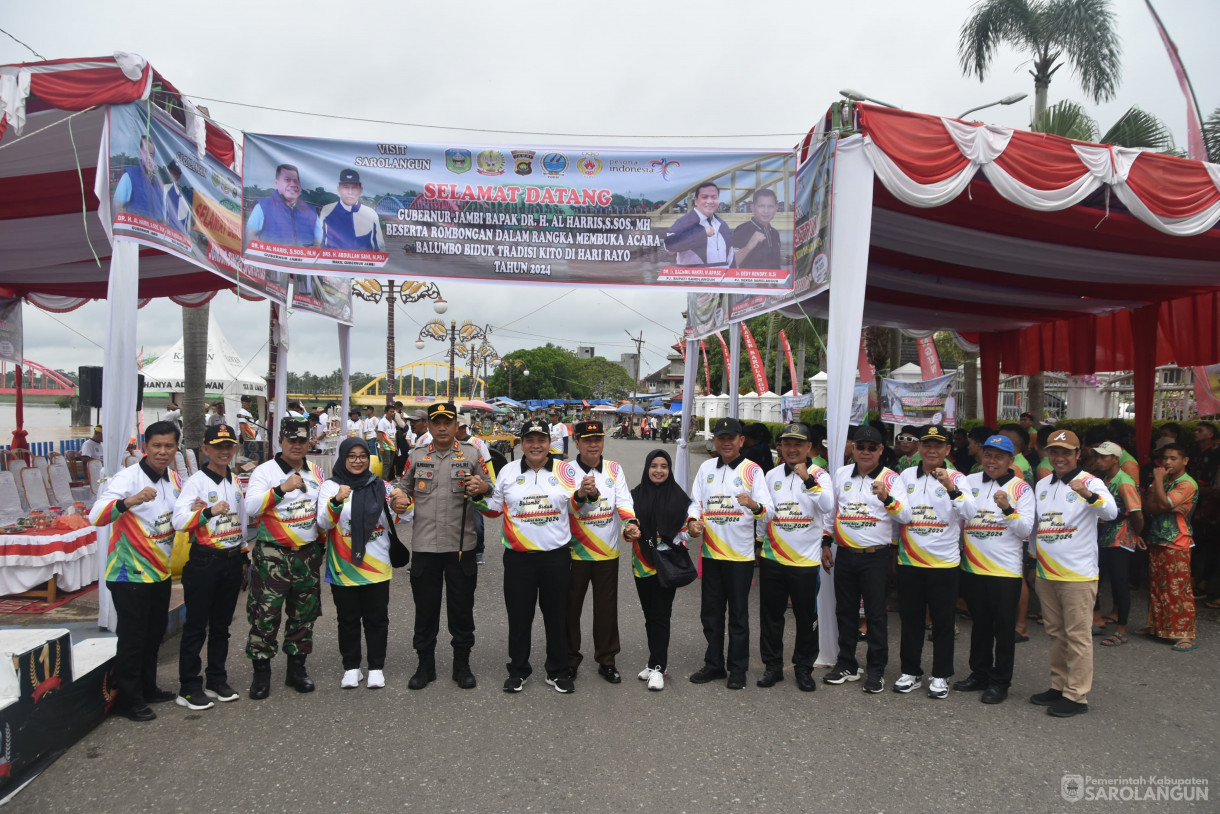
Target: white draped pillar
{"x":119,"y":385}
{"x":345,"y":364}
{"x":682,"y":456}
{"x":734,"y":367}
{"x":281,"y":375}
{"x":851,"y":229}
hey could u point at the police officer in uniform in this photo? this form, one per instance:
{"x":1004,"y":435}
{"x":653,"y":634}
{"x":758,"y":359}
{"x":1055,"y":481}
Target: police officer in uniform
{"x":437,"y":476}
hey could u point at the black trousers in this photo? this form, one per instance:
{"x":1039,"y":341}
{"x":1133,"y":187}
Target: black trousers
{"x":860,"y":576}
{"x":602,"y":576}
{"x":657,"y":604}
{"x":537,"y":579}
{"x":366,"y":606}
{"x":479,"y":538}
{"x":210,"y":587}
{"x":934,"y":591}
{"x":143,"y":612}
{"x":1205,"y":556}
{"x":1115,"y":566}
{"x":432,"y":573}
{"x":726,"y":584}
{"x":776,"y":583}
{"x":992,"y":602}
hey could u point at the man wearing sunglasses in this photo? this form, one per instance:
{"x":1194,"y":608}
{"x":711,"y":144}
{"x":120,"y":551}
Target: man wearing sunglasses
{"x":906,"y":447}
{"x":869,"y":501}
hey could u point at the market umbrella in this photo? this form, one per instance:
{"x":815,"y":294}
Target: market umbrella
{"x":475,"y":404}
{"x":633,"y":409}
{"x":658,"y":411}
{"x":602,"y":408}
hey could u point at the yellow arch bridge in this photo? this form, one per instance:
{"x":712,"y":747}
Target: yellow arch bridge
{"x":424,"y":383}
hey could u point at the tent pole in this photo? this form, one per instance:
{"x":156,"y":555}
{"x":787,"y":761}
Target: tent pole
{"x":989,"y":375}
{"x":734,"y":368}
{"x":682,"y":458}
{"x":345,"y":363}
{"x":1143,"y":324}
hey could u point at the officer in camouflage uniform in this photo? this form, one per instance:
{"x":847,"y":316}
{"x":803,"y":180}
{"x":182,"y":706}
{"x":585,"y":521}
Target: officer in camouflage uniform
{"x":282,"y":499}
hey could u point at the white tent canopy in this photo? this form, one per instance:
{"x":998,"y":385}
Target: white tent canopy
{"x":226,"y":371}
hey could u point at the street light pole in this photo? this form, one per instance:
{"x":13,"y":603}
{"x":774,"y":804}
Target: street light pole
{"x":372,"y":290}
{"x":1011,"y":99}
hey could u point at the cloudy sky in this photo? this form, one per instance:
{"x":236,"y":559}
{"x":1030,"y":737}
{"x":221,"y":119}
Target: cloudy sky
{"x":665,"y":75}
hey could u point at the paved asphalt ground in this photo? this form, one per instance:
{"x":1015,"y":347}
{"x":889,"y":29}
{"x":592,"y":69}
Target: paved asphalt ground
{"x":621,"y":748}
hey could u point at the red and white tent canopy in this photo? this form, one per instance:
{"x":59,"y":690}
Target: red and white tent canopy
{"x":1054,"y":254}
{"x":51,"y":125}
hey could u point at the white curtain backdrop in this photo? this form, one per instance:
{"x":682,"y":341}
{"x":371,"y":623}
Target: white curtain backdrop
{"x":850,"y":226}
{"x":119,"y":390}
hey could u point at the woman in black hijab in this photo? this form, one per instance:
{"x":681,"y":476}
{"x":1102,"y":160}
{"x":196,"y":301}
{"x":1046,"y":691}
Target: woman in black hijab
{"x":352,"y":510}
{"x":660,"y":506}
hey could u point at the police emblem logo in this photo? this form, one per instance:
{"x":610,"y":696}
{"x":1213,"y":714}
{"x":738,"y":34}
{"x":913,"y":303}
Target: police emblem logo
{"x":589,"y":164}
{"x":554,"y":164}
{"x":490,"y":162}
{"x":457,"y":161}
{"x":523,"y":162}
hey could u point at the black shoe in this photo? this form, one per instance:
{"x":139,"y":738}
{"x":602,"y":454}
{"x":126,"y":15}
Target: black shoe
{"x":158,"y":696}
{"x":462,"y":676}
{"x":514,"y":684}
{"x":1045,"y":699}
{"x":571,"y":674}
{"x":770,"y":678}
{"x":874,"y":685}
{"x":804,"y":680}
{"x":561,"y":683}
{"x":1063,"y":708}
{"x":840,"y":674}
{"x":193,"y":699}
{"x":705,"y":674}
{"x":260,"y":687}
{"x":994,"y":695}
{"x":221,"y":691}
{"x":425,"y":674}
{"x":296,"y":677}
{"x":610,"y":673}
{"x":970,"y":684}
{"x":737,"y":681}
{"x":140,"y":713}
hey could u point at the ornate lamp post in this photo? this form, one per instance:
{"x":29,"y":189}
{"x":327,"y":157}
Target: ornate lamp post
{"x":467,"y":332}
{"x":510,"y":365}
{"x":409,"y":291}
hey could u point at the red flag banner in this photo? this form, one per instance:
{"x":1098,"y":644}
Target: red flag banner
{"x":1195,"y":146}
{"x":756,"y":364}
{"x":867,"y":373}
{"x":681,"y":343}
{"x":707,"y":371}
{"x":796,"y":384}
{"x":724,"y":349}
{"x":929,"y":359}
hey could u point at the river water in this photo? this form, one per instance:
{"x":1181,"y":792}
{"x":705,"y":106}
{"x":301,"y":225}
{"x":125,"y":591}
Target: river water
{"x":46,"y":422}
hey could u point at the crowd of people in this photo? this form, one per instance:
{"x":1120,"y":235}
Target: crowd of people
{"x":949,"y":525}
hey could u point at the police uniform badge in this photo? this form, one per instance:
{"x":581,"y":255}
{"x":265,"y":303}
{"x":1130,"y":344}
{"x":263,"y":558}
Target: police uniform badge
{"x":523,"y":162}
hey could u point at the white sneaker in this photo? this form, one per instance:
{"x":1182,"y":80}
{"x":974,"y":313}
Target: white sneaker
{"x":351,"y":679}
{"x":938,"y":688}
{"x":656,"y":679}
{"x":645,"y":674}
{"x":907,"y":682}
{"x":376,"y":680}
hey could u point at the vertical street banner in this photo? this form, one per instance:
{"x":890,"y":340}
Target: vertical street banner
{"x":929,"y":359}
{"x":537,"y":214}
{"x":326,"y":295}
{"x":163,"y":195}
{"x":711,"y":311}
{"x":756,"y":364}
{"x":859,"y":404}
{"x":11,"y":342}
{"x":790,"y":407}
{"x":796,"y":383}
{"x":707,"y":371}
{"x":919,"y":403}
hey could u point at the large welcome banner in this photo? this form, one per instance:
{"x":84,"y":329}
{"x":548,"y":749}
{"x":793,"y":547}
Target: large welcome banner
{"x":710,"y":311}
{"x":919,"y":403}
{"x":538,"y":214}
{"x":163,"y":195}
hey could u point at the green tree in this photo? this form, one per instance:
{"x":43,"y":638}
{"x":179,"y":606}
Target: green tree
{"x":1211,"y":136}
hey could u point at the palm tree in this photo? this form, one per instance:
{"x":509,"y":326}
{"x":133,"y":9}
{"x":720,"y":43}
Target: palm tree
{"x":1135,"y":128}
{"x":1079,"y":31}
{"x":194,"y":373}
{"x":1211,"y":136}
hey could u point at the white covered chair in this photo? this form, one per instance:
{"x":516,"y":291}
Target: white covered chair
{"x":61,"y":486}
{"x":16,"y":466}
{"x":192,"y":463}
{"x":10,"y":499}
{"x":41,"y":464}
{"x":35,"y":489}
{"x":180,"y":466}
{"x":94,"y":470}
